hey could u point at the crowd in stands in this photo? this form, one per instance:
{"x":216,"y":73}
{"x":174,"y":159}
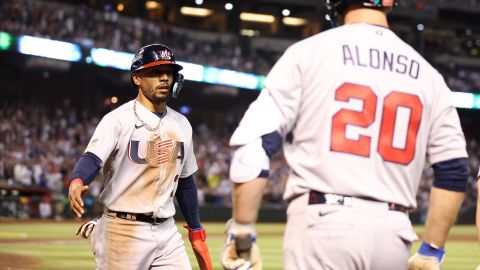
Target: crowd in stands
{"x":110,"y":29}
{"x":39,"y":146}
{"x":90,"y":28}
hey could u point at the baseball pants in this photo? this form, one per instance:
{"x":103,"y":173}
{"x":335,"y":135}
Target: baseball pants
{"x":125,"y":244}
{"x":365,"y":235}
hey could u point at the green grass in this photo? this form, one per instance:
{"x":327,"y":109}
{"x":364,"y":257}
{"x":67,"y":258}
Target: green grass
{"x":63,"y":250}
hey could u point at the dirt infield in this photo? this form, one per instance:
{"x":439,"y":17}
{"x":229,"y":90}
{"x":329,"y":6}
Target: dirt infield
{"x":17,"y":262}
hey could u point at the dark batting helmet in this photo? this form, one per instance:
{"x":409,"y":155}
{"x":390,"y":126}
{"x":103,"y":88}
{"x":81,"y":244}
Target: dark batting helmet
{"x":336,"y":8}
{"x":156,"y":55}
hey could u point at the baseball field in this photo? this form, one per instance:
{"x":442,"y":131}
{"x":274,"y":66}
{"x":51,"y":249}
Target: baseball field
{"x":53,"y":246}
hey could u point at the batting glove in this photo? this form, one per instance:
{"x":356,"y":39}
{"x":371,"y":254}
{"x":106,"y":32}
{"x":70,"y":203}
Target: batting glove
{"x":86,"y":229}
{"x":428,"y":257}
{"x":240,"y":251}
{"x":199,"y":246}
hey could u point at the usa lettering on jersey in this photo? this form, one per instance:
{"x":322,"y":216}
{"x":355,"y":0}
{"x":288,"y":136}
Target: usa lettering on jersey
{"x":158,"y":152}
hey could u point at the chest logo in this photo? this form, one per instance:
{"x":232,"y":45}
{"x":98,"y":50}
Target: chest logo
{"x":157,"y":152}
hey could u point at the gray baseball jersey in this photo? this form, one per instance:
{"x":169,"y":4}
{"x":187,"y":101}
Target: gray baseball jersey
{"x":142,"y":167}
{"x":360,"y":110}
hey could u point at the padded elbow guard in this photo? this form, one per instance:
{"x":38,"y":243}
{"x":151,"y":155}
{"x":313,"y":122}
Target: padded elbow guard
{"x":248,"y":162}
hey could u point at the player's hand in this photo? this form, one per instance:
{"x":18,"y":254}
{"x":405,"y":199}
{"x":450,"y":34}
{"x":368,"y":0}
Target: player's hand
{"x":86,"y":228}
{"x":75,"y":192}
{"x":240,"y":251}
{"x":200,"y":248}
{"x":427,"y":258}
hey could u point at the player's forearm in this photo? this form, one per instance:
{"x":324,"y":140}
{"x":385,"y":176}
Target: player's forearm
{"x":187,"y":200}
{"x":87,"y":167}
{"x":443,"y":209}
{"x":247,"y":198}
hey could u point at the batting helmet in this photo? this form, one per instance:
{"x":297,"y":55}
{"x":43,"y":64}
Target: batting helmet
{"x":155,"y":55}
{"x":335,"y":8}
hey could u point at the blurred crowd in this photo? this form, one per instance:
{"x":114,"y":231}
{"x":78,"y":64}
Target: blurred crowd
{"x":39,"y":146}
{"x":452,"y":50}
{"x":93,"y":29}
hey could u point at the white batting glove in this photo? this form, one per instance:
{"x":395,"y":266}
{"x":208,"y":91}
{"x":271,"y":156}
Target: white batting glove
{"x":86,"y":228}
{"x":240,"y":251}
{"x":427,"y":257}
{"x":478,"y":267}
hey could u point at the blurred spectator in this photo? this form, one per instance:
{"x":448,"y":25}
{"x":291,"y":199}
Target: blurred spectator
{"x":45,"y":208}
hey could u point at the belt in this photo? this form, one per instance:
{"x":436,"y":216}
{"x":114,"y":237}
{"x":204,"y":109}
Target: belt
{"x":137,"y":217}
{"x":316,"y":197}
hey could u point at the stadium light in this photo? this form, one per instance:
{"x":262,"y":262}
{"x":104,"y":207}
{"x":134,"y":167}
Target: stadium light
{"x":110,"y":58}
{"x":249,"y":32}
{"x":286,"y":12}
{"x":120,"y":7}
{"x":196,"y":12}
{"x":228,"y":6}
{"x":152,"y":5}
{"x":294,"y":21}
{"x":49,"y":48}
{"x":257,"y":17}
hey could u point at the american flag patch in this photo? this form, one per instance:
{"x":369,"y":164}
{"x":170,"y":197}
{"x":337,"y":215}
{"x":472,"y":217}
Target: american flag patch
{"x":164,"y":151}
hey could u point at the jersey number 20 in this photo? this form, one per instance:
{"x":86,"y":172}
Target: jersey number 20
{"x":361,"y":147}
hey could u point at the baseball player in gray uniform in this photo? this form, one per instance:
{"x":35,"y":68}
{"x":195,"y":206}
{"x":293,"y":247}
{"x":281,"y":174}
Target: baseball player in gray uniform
{"x":357,"y":111}
{"x":145,"y":149}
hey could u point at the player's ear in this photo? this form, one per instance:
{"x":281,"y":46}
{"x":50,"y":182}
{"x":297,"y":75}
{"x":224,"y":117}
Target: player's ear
{"x":135,"y":79}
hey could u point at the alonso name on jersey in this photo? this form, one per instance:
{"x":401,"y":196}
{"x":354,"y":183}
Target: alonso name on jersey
{"x":380,"y":59}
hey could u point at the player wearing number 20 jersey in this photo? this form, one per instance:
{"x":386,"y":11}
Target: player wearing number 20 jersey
{"x":360,"y":115}
{"x":359,"y":112}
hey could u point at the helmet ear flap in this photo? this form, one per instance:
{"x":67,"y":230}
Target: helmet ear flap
{"x":177,"y":85}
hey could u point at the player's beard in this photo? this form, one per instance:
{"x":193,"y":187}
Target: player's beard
{"x":157,"y":95}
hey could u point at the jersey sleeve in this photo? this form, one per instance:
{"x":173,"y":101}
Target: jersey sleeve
{"x":262,"y":117}
{"x":190,"y":165}
{"x":105,"y":137}
{"x":284,"y":85}
{"x":446,"y":139}
{"x":276,"y":107}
